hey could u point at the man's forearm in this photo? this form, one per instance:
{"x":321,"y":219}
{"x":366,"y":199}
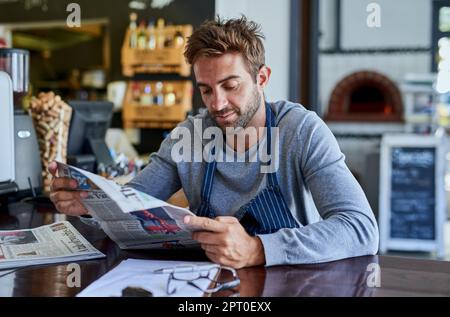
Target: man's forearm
{"x":326,"y":240}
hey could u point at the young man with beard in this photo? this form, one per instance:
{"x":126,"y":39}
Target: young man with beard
{"x":307,"y":209}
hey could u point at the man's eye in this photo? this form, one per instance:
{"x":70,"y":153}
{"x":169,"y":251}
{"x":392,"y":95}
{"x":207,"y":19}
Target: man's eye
{"x":231,"y":87}
{"x":205,"y":91}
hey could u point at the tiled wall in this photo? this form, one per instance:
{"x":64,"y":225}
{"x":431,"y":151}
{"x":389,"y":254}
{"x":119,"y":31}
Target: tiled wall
{"x":334,"y":67}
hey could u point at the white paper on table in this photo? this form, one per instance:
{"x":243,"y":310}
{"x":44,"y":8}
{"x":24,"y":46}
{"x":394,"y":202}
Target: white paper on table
{"x":139,"y":273}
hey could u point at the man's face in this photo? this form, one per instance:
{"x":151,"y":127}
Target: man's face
{"x":228,"y":90}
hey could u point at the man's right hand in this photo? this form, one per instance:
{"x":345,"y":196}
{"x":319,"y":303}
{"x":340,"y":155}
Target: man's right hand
{"x":62,"y":194}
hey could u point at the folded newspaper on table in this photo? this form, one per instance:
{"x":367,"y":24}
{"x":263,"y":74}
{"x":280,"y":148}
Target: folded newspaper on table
{"x":133,"y":219}
{"x":58,"y":242}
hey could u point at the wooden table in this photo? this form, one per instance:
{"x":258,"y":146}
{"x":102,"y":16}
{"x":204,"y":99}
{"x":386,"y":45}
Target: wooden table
{"x":350,"y":277}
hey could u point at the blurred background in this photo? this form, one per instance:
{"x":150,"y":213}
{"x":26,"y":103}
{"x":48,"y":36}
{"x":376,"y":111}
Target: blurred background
{"x":377,"y":72}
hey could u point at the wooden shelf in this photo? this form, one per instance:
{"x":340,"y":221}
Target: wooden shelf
{"x":135,"y":115}
{"x":158,"y":60}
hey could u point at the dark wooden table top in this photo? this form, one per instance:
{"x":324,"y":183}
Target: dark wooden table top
{"x":362,"y":276}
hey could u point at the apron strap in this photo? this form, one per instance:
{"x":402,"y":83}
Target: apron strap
{"x":270,"y":123}
{"x":208,"y":178}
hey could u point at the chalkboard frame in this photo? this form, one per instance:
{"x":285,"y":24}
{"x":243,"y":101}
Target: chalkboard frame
{"x":387,"y":242}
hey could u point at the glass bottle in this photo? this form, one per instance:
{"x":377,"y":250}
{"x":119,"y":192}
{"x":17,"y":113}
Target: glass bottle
{"x":170,"y":98}
{"x":169,"y":36}
{"x":133,"y":30}
{"x":136,"y":92}
{"x":151,"y":43}
{"x":147,"y":97}
{"x":178,"y":40}
{"x":142,"y":38}
{"x":160,"y":37}
{"x":159,"y":96}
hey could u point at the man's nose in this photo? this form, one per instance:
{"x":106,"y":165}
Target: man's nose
{"x":219,"y":101}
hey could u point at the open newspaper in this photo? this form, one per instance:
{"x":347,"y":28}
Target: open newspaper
{"x":58,"y":242}
{"x":133,"y":219}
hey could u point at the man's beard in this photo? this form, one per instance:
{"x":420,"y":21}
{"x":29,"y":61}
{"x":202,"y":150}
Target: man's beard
{"x":251,"y":108}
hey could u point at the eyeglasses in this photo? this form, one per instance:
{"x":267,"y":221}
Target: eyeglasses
{"x":192,"y":278}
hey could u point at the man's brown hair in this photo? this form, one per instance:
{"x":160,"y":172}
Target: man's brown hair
{"x":217,"y":37}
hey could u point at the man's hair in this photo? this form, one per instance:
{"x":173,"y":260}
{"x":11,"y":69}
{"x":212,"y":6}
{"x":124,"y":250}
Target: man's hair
{"x":217,"y":37}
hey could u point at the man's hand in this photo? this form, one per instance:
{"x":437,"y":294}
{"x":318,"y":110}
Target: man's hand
{"x":226,"y":242}
{"x":62,"y":194}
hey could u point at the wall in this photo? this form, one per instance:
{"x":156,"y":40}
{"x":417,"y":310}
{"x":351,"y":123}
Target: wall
{"x":405,"y":37}
{"x":274,"y":17}
{"x":404,"y":23}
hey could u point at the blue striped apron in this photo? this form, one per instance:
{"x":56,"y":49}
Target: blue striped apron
{"x":268,"y":211}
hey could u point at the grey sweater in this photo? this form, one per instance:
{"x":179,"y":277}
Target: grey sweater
{"x":335,"y":218}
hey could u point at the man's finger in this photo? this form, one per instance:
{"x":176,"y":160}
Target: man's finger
{"x":206,"y":237}
{"x":52,"y":168}
{"x":64,"y":183}
{"x":226,"y":219}
{"x":204,"y":223}
{"x":209,"y":248}
{"x":212,"y":249}
{"x":65,"y":195}
{"x":71,"y":208}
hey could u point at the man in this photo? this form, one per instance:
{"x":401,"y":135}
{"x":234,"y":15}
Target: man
{"x":307,"y":209}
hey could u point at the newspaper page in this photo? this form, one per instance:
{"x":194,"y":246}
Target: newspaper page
{"x":133,"y":219}
{"x":58,"y":242}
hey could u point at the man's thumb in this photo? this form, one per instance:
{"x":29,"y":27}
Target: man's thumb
{"x":52,"y":168}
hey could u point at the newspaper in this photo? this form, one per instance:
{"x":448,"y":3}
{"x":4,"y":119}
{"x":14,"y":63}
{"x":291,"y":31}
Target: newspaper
{"x":133,"y":219}
{"x":58,"y":242}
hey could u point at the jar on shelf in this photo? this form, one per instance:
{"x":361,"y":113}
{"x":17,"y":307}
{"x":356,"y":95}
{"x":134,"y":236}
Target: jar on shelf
{"x":169,"y":97}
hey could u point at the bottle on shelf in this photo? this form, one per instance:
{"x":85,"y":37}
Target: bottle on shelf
{"x":142,"y":37}
{"x":147,"y":97}
{"x":160,"y":37}
{"x":169,"y":36}
{"x":178,"y":39}
{"x":169,"y":97}
{"x":133,"y":31}
{"x":159,"y":96}
{"x":136,"y":92}
{"x":151,"y":43}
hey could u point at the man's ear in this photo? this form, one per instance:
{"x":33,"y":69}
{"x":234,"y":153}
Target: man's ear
{"x":263,"y":76}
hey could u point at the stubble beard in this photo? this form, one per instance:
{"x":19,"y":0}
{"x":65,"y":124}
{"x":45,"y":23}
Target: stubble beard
{"x":245,"y":117}
{"x":251,"y":109}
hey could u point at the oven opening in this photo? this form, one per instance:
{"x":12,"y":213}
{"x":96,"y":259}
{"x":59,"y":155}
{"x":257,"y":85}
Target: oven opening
{"x":368,"y":99}
{"x":365,"y":96}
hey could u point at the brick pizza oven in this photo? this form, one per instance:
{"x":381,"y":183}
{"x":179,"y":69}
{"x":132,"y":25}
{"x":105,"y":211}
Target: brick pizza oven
{"x":365,"y":96}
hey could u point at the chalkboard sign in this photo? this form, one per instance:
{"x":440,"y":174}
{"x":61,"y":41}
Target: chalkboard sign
{"x":413,"y":198}
{"x":412,"y":203}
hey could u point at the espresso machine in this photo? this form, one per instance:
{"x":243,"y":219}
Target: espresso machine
{"x":20,"y":163}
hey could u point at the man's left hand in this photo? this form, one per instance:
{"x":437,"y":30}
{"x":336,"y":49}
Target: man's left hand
{"x":226,"y":242}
